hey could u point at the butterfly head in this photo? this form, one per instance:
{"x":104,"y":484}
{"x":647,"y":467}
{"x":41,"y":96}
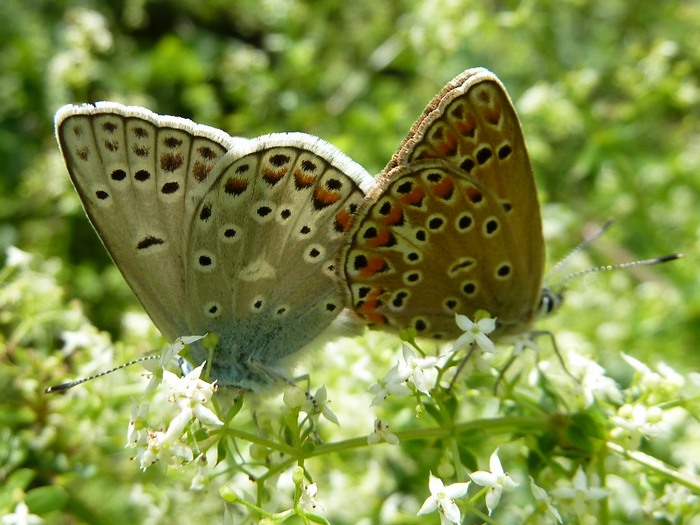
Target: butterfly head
{"x":549,"y":302}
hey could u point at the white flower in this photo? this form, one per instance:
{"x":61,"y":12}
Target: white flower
{"x":637,"y":421}
{"x":520,"y":342}
{"x":157,"y":366}
{"x":314,"y":405}
{"x":201,"y":479}
{"x":654,"y":386}
{"x":676,"y":501}
{"x":308,"y":496}
{"x":580,"y":493}
{"x":475,"y":333}
{"x":178,"y":424}
{"x":542,"y":497}
{"x":89,"y":30}
{"x":497,"y":480}
{"x":413,"y":369}
{"x":16,"y":257}
{"x":136,"y":432}
{"x":72,"y":340}
{"x":391,"y":385}
{"x":321,"y":405}
{"x":442,"y":499}
{"x":190,"y":393}
{"x":593,"y":383}
{"x":21,"y":516}
{"x":164,"y":447}
{"x":381,"y":431}
{"x":189,"y":386}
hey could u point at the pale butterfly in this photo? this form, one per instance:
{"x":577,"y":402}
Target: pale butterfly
{"x":453,"y":225}
{"x":217,"y":234}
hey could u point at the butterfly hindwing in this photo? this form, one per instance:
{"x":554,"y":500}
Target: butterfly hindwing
{"x":263,"y":246}
{"x":463,"y":160}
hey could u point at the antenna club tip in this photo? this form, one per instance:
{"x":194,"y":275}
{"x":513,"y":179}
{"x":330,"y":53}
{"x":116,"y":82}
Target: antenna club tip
{"x":670,"y":257}
{"x":59,"y":388}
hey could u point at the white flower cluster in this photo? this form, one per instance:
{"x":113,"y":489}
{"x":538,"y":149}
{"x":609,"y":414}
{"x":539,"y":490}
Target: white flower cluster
{"x":496,"y":481}
{"x":189,"y":395}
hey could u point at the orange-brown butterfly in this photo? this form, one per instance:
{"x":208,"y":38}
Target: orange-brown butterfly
{"x":453,"y":225}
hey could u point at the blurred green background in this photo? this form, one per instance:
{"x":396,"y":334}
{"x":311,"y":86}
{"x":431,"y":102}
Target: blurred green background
{"x":608,"y":92}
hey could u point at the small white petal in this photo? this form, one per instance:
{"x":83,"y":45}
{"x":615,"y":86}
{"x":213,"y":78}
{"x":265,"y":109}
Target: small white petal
{"x":485,"y":343}
{"x":457,"y":490}
{"x":596,"y":493}
{"x":487,"y":325}
{"x":398,"y":390}
{"x":463,"y":341}
{"x":483,"y":478}
{"x":464,"y":323}
{"x":451,"y":511}
{"x":580,"y":480}
{"x":493,"y":496}
{"x":509,"y":484}
{"x":435,"y":485}
{"x":390,"y":438}
{"x":429,"y":505}
{"x":329,"y":415}
{"x":495,"y":464}
{"x":541,"y":495}
{"x":189,"y":339}
{"x":421,"y":382}
{"x":321,"y":395}
{"x":207,"y":416}
{"x":177,"y":425}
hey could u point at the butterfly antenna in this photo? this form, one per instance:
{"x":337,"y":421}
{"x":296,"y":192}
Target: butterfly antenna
{"x":609,"y":267}
{"x":583,"y":244}
{"x":65,"y":386}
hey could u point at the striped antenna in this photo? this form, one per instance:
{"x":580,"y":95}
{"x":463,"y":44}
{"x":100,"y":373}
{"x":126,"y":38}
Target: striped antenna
{"x":605,"y":267}
{"x":65,"y":386}
{"x":620,"y":266}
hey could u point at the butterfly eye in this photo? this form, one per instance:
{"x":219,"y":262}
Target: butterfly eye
{"x":549,"y":302}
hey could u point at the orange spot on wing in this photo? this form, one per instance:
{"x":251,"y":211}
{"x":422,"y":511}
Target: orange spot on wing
{"x":374,"y":266}
{"x":493,"y":115}
{"x":303,"y":180}
{"x":342,"y":219}
{"x":272,"y":176}
{"x":234,"y":186}
{"x":474,"y":195}
{"x":444,"y":188}
{"x":369,"y":305}
{"x":381,"y":239}
{"x":201,"y":170}
{"x":467,"y":126}
{"x":414,"y":197}
{"x":447,"y":147}
{"x":326,"y":197}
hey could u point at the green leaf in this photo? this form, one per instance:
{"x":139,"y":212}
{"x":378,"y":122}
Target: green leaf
{"x":44,"y":500}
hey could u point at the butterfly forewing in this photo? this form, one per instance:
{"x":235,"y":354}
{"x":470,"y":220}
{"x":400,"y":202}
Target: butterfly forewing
{"x":133,"y":170}
{"x":464,"y":160}
{"x":472,"y":123}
